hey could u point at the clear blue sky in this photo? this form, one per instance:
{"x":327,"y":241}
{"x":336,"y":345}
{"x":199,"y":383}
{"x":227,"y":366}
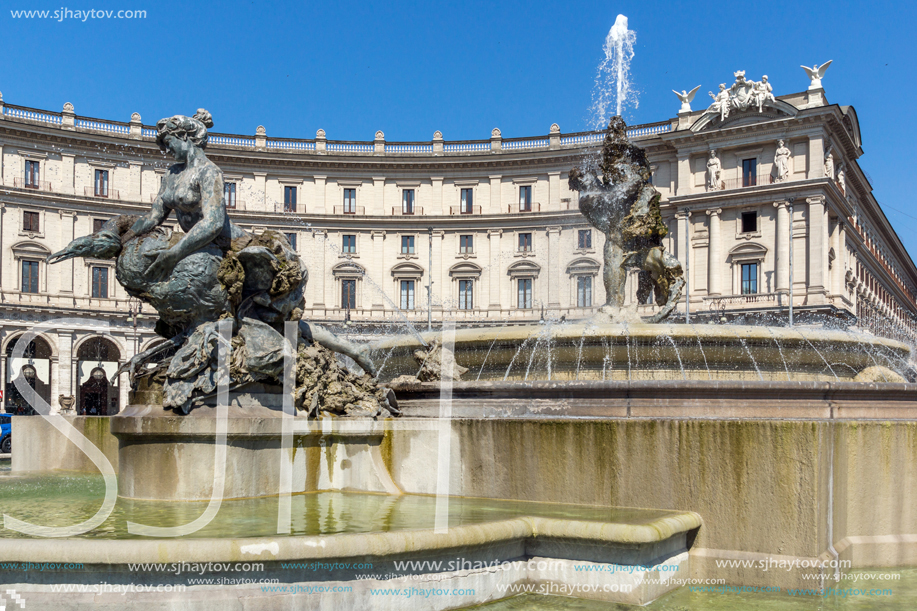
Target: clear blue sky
{"x":409,"y":68}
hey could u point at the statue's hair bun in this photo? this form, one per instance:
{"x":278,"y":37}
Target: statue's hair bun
{"x":204,"y":117}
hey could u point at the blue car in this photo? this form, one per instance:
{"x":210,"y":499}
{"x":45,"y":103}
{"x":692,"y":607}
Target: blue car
{"x":6,"y":434}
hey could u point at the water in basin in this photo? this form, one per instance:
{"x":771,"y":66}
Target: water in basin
{"x":61,"y":499}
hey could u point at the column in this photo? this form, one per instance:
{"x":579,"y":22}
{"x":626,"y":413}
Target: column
{"x":495,"y":271}
{"x":65,"y":269}
{"x":65,"y":358}
{"x":714,"y":266}
{"x":55,"y":383}
{"x":816,"y":156}
{"x":782,"y":248}
{"x":436,"y":204}
{"x":318,"y":276}
{"x":684,"y":247}
{"x":840,"y":253}
{"x":553,"y":202}
{"x":818,"y":248}
{"x":318,"y":204}
{"x":683,"y":184}
{"x":554,"y":288}
{"x":496,"y":182}
{"x":377,"y":270}
{"x":2,"y":211}
{"x":440,"y":295}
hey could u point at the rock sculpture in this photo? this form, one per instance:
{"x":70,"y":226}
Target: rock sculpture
{"x":686,"y":97}
{"x":616,"y":197}
{"x":829,"y":164}
{"x":215,"y":271}
{"x":816,"y":73}
{"x":781,"y":163}
{"x":714,"y":169}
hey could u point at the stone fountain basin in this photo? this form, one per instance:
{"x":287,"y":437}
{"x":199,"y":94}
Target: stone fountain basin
{"x":340,"y":571}
{"x":585,"y":351}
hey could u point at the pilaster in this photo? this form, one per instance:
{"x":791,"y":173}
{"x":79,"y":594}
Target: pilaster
{"x":436,"y":203}
{"x":553,"y":202}
{"x":782,"y":248}
{"x":818,"y":247}
{"x":554,"y":257}
{"x":378,"y":267}
{"x":494,"y":270}
{"x":683,"y":182}
{"x":713,"y":253}
{"x":65,"y":268}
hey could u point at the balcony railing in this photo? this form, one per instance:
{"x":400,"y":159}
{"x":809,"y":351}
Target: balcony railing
{"x":720,"y":303}
{"x":464,"y":210}
{"x":400,"y":211}
{"x":350,"y":210}
{"x":523,"y":208}
{"x":320,"y":145}
{"x":107,"y":193}
{"x":747,"y":181}
{"x":20,"y":183}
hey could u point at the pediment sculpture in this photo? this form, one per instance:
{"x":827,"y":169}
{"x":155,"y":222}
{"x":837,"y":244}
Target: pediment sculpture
{"x":742,"y":95}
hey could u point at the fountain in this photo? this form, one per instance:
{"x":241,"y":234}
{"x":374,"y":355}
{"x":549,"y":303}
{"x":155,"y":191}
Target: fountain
{"x":605,"y":454}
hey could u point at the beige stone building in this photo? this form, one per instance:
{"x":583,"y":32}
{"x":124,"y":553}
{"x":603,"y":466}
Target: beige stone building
{"x":766,"y":206}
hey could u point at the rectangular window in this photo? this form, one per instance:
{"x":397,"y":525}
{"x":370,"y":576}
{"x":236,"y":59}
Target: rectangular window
{"x":32,"y":174}
{"x":291,"y":238}
{"x":749,"y":222}
{"x":584,"y":239}
{"x":30,"y":221}
{"x":289,"y":199}
{"x":97,"y":225}
{"x":467,"y":201}
{"x":749,"y":278}
{"x":30,"y":276}
{"x":350,"y":201}
{"x":584,"y":291}
{"x":350,"y":244}
{"x":525,"y":242}
{"x":229,"y":194}
{"x":100,"y":282}
{"x":525,"y":199}
{"x":407,"y":201}
{"x":101,"y":183}
{"x":524,"y":293}
{"x":466,"y":294}
{"x":407,"y":245}
{"x":348,"y":294}
{"x":407,"y":294}
{"x":466,"y":244}
{"x":749,"y":172}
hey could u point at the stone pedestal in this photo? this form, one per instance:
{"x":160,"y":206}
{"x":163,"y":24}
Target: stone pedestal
{"x":167,"y":457}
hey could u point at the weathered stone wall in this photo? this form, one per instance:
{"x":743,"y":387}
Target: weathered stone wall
{"x":41,"y":447}
{"x":765,"y":488}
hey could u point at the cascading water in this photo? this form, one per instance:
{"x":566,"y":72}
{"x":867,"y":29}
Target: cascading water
{"x":612,"y":82}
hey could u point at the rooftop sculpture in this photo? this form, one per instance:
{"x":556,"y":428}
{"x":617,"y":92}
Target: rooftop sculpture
{"x":213,"y":271}
{"x":616,"y":197}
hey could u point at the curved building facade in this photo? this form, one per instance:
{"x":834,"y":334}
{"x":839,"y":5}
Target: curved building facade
{"x":765,"y":208}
